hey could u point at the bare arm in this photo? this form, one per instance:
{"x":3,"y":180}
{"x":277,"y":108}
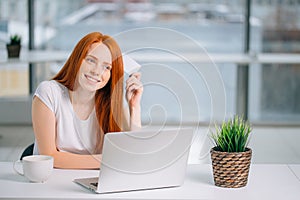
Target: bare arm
{"x":134,"y":91}
{"x":135,"y":118}
{"x":44,"y":126}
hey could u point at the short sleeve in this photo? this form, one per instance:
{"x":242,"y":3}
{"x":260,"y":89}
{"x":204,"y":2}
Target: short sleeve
{"x":45,"y":93}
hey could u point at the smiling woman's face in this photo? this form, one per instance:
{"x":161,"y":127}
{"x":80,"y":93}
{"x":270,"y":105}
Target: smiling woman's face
{"x":95,"y":69}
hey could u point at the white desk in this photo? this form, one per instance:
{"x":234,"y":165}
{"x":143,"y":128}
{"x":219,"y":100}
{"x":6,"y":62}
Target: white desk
{"x":296,"y":170}
{"x":265,"y":182}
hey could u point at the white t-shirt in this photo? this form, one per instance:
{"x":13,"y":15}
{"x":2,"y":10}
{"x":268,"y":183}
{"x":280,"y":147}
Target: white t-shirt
{"x":73,"y":134}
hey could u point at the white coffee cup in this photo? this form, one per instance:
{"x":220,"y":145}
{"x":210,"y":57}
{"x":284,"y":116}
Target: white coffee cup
{"x":36,"y":168}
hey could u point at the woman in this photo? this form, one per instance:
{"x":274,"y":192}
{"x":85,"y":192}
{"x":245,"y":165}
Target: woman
{"x":72,"y":112}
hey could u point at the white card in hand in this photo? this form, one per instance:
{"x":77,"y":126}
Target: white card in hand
{"x":130,"y":65}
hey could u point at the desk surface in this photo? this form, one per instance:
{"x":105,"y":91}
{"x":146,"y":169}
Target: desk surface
{"x":265,"y":182}
{"x":296,"y":170}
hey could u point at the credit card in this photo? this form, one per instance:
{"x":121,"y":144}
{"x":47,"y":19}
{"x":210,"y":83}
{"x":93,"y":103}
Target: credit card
{"x":130,"y":65}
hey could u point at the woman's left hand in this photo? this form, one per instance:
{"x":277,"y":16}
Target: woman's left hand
{"x":134,"y":89}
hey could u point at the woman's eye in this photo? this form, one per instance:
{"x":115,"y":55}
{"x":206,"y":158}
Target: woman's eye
{"x":107,"y":67}
{"x":91,"y":60}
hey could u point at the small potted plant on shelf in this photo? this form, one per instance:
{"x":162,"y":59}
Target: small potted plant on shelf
{"x":14,"y":46}
{"x":230,"y":156}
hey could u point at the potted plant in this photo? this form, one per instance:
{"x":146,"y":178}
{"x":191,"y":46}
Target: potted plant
{"x":230,"y":156}
{"x":14,"y":46}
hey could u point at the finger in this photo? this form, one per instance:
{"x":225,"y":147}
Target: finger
{"x":134,"y":76}
{"x":132,"y":82}
{"x":137,"y":75}
{"x":134,"y":87}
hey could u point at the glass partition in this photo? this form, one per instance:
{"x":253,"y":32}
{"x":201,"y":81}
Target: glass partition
{"x":180,"y":30}
{"x":13,"y":20}
{"x":170,"y":38}
{"x":275,"y":87}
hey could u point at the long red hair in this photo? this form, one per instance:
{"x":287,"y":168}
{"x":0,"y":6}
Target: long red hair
{"x":109,"y":99}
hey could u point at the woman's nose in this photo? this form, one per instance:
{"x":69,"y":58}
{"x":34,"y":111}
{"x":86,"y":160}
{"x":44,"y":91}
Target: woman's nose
{"x":97,"y":71}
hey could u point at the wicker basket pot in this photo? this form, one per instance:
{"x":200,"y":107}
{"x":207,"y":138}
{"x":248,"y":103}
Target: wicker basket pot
{"x":231,"y":169}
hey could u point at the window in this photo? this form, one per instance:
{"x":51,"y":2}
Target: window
{"x":13,"y":76}
{"x":276,"y":96}
{"x":190,"y":30}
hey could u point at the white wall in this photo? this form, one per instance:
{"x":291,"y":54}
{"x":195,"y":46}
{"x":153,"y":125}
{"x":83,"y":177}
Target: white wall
{"x":15,"y":110}
{"x":269,"y":144}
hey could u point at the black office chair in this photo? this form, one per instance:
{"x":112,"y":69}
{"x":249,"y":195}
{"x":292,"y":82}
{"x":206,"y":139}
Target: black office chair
{"x":28,"y":151}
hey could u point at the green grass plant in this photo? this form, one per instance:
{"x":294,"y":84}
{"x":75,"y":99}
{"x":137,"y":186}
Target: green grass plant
{"x":15,"y":39}
{"x":232,"y":136}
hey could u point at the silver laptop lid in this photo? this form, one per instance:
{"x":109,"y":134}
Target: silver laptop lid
{"x":144,"y":159}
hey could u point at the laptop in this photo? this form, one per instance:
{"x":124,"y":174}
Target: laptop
{"x":141,"y":160}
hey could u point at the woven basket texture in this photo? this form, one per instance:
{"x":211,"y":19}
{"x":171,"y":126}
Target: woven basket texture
{"x":231,"y":169}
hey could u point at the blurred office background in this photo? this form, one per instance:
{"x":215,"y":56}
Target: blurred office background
{"x":203,"y":61}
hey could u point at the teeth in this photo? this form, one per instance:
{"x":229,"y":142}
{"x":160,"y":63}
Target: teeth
{"x":92,"y":79}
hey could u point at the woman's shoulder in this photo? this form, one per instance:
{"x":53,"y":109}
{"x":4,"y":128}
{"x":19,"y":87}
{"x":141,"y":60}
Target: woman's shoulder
{"x":51,"y":85}
{"x":52,"y":93}
{"x":51,"y":88}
